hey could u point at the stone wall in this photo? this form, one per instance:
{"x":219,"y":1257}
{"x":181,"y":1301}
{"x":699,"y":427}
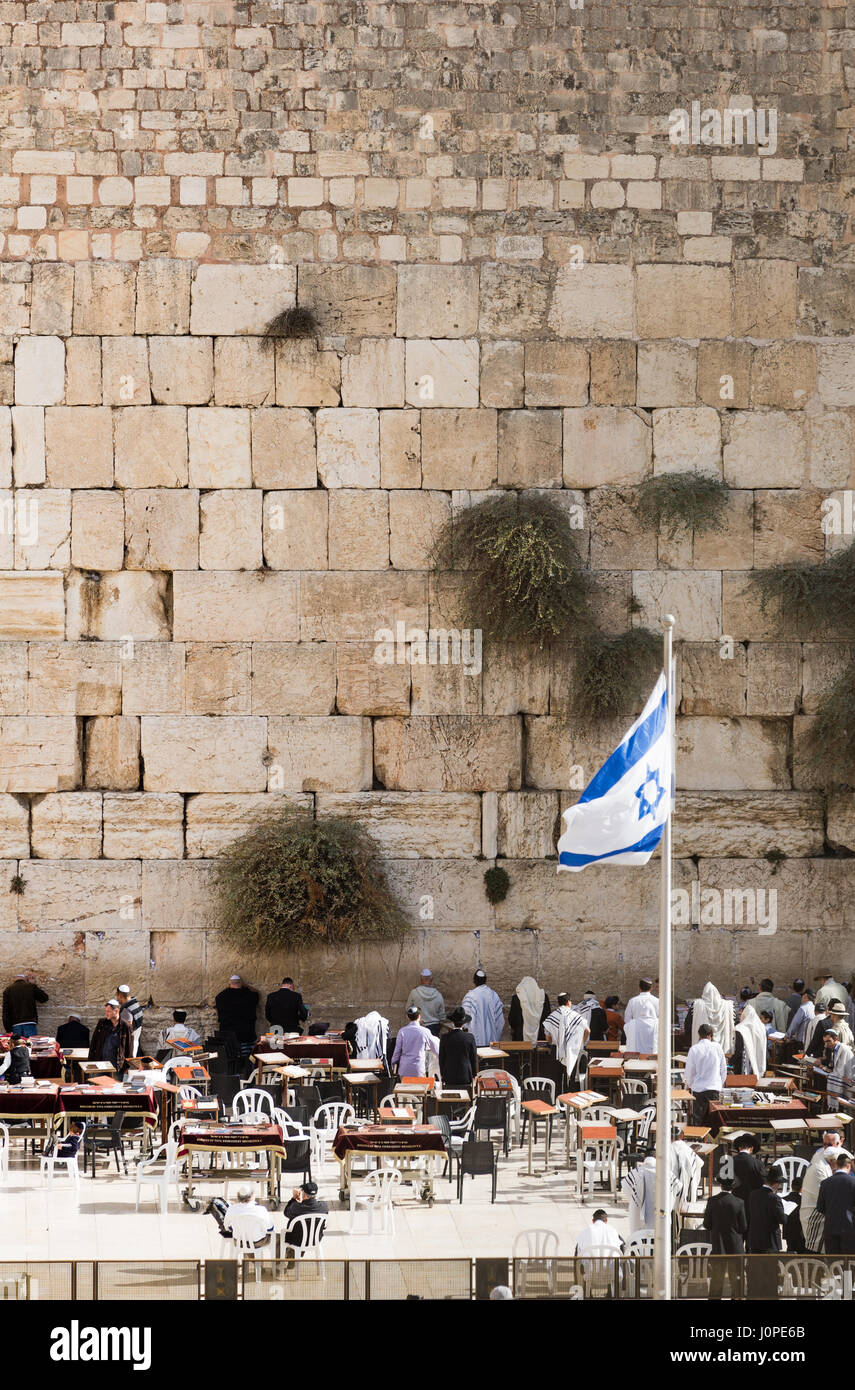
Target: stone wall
{"x":520,"y":282}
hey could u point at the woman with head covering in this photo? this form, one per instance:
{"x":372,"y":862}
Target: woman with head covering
{"x":529,"y":1007}
{"x":718,"y":1013}
{"x":749,"y":1053}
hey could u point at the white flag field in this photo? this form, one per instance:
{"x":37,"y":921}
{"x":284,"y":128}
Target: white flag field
{"x":620,"y":816}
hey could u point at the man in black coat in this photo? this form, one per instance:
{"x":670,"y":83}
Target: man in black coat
{"x":749,"y":1174}
{"x":285,"y":1006}
{"x":237,"y":1006}
{"x":458,"y":1055}
{"x":766,"y":1216}
{"x":73,"y":1033}
{"x":836,"y":1201}
{"x":726,"y":1222}
{"x":304,"y":1202}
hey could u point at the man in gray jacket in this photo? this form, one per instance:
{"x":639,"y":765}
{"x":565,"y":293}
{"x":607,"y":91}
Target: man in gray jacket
{"x":428,"y":1001}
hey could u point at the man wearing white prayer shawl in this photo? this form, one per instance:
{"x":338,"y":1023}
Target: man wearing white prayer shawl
{"x":568,"y":1031}
{"x":484,"y":1008}
{"x":718,"y":1013}
{"x":527,"y":1016}
{"x":599,"y":1236}
{"x":641,"y":1019}
{"x":372,"y":1032}
{"x":822,"y":1165}
{"x":753,"y":1043}
{"x":829,"y":990}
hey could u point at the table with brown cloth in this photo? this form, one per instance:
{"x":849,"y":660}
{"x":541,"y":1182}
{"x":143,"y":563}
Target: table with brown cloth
{"x":389,"y":1141}
{"x":46,"y":1059}
{"x":305,"y":1049}
{"x":753,"y":1116}
{"x":20,"y":1102}
{"x":216,"y":1139}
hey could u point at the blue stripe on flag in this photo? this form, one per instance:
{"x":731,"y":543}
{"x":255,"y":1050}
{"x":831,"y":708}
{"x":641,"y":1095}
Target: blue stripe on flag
{"x":629,"y":753}
{"x":648,"y":842}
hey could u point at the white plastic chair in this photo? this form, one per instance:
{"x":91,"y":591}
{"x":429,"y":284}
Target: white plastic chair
{"x":50,"y":1161}
{"x":307,"y":1240}
{"x":247,"y":1227}
{"x":806,"y":1276}
{"x":172,"y":1064}
{"x":631,"y":1086}
{"x":790,"y":1168}
{"x":250,"y":1104}
{"x":189,"y":1093}
{"x":291,"y":1129}
{"x":159,"y":1171}
{"x":596,"y":1161}
{"x":537,"y":1244}
{"x":516,"y":1108}
{"x":600,"y":1269}
{"x":693,"y":1268}
{"x":4,"y":1152}
{"x":374,"y":1196}
{"x":325,"y":1124}
{"x":641,"y":1243}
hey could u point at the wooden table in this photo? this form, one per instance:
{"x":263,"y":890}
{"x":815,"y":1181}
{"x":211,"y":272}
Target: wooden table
{"x":782,"y":1127}
{"x":538,"y":1110}
{"x":753,"y":1117}
{"x":589,"y":1134}
{"x":221,"y":1140}
{"x":576,"y":1103}
{"x":521,"y":1053}
{"x":610,"y":1074}
{"x":369,"y":1083}
{"x":413,"y":1149}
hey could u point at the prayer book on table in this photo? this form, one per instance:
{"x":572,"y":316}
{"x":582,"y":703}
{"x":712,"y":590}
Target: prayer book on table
{"x":396,"y":1115}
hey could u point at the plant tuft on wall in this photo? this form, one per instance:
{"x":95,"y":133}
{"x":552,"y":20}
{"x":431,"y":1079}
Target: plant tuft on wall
{"x":497,"y":884}
{"x":674,"y":502}
{"x":831,"y":736}
{"x":524,"y":580}
{"x":18,"y":884}
{"x":813,"y":596}
{"x":612,"y":673}
{"x":293,"y":880}
{"x":297,"y":322}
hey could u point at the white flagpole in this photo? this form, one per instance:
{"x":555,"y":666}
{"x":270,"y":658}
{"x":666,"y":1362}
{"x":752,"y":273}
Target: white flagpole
{"x":662,"y":1222}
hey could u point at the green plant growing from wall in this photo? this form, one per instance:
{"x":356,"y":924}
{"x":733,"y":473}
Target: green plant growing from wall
{"x":293,"y":880}
{"x":18,"y":885}
{"x":497,"y":883}
{"x":674,"y":502}
{"x":614,"y":672}
{"x":523,"y":577}
{"x":297,"y":322}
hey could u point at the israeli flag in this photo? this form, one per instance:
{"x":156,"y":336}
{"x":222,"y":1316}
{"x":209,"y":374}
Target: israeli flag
{"x":620,"y":815}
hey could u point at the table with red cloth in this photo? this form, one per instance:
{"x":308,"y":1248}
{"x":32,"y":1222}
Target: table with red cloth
{"x":46,"y":1060}
{"x":407,"y":1145}
{"x":33,"y":1106}
{"x":753,"y":1116}
{"x":216,"y":1140}
{"x":307,"y":1049}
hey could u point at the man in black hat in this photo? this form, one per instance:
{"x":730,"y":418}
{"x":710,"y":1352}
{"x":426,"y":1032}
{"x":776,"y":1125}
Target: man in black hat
{"x":304,"y":1202}
{"x":458,"y":1055}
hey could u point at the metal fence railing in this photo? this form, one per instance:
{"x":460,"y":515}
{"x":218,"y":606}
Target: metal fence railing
{"x":594,"y":1279}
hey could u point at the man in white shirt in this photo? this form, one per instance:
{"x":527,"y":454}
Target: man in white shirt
{"x":599,"y":1236}
{"x":641,"y":1019}
{"x":179,"y":1035}
{"x":705,"y":1072}
{"x":830,"y":990}
{"x":246,"y":1217}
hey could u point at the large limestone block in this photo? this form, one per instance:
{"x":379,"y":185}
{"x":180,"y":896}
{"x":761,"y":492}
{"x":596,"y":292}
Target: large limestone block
{"x":683,"y":301}
{"x":39,"y":753}
{"x":413,"y":825}
{"x":714,"y":678}
{"x":442,"y":372}
{"x":764,"y":299}
{"x":530,"y":448}
{"x":283,"y":448}
{"x":416,"y":518}
{"x":356,"y":300}
{"x":514,"y":300}
{"x":448,"y":753}
{"x":124,"y":371}
{"x":822,"y":664}
{"x":826,"y":300}
{"x":179,"y":896}
{"x":613,"y":373}
{"x":830,"y":445}
{"x":400,"y":448}
{"x":91,"y":897}
{"x":143,"y":825}
{"x":14,"y":827}
{"x":42,"y":528}
{"x":743,"y":616}
{"x":305,"y":376}
{"x":375,"y":375}
{"x":83,"y":371}
{"x":52,"y":298}
{"x":217,"y":677}
{"x":503,"y":374}
{"x":161,"y":528}
{"x":813,"y":894}
{"x":75,"y":678}
{"x":31,"y":605}
{"x":243,"y":372}
{"x":97,"y":530}
{"x":528,"y":825}
{"x":219,"y":447}
{"x":732,"y":754}
{"x":618,"y":541}
{"x":234,"y":606}
{"x":358,"y":529}
{"x":774,"y":678}
{"x":841,"y":820}
{"x":129,"y":605}
{"x":561,"y":754}
{"x":592,"y":301}
{"x":442,"y":893}
{"x":783,"y":375}
{"x":687,"y":441}
{"x":202,"y":753}
{"x":731,"y":548}
{"x":178,"y":975}
{"x":366,"y":686}
{"x":788,"y":528}
{"x":67,"y":825}
{"x":112,"y":752}
{"x":439,"y":688}
{"x":667,"y":373}
{"x":295,"y":529}
{"x":837,"y":374}
{"x":437,"y":301}
{"x":556,"y":374}
{"x":151,"y":446}
{"x":39,"y":371}
{"x":294,"y":678}
{"x":13,"y":678}
{"x":79,"y":446}
{"x":230,"y":530}
{"x":459,"y":449}
{"x":724,"y":373}
{"x":605,"y":446}
{"x":766,"y":449}
{"x":693,"y":598}
{"x":348,"y":448}
{"x":316,"y":754}
{"x":354,"y":606}
{"x":215,"y":821}
{"x":748,"y":824}
{"x":153,"y":679}
{"x":28,"y":439}
{"x":163,"y":296}
{"x":104,"y":298}
{"x":112,"y":956}
{"x":236,"y":299}
{"x":182,"y":371}
{"x":542,"y":898}
{"x":516,"y":679}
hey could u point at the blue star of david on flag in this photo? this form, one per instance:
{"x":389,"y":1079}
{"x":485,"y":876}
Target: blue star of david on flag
{"x":635,"y":784}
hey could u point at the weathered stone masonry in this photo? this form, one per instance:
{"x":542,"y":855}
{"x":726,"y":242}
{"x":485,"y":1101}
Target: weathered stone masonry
{"x":202,"y":536}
